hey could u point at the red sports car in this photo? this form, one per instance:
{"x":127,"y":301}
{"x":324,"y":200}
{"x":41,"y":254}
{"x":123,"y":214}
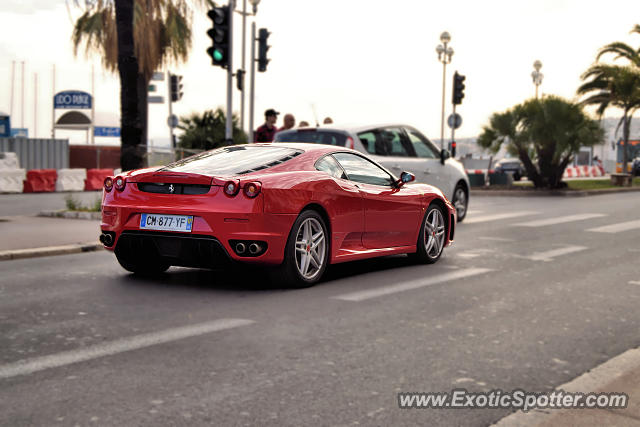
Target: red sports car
{"x":297,"y":207}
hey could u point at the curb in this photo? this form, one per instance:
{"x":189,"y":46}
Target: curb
{"x":593,"y":380}
{"x":49,"y":251}
{"x":552,"y":193}
{"x":72,"y":214}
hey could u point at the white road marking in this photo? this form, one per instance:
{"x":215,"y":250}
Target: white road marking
{"x":474,"y":212}
{"x":29,"y":366}
{"x":496,"y":217}
{"x":634,"y":282}
{"x":496,"y":239}
{"x":412,"y":284}
{"x":559,"y":220}
{"x":549,"y":255}
{"x":617,"y":228}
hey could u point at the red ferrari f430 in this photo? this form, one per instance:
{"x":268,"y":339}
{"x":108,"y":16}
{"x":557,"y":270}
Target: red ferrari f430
{"x":295,"y":207}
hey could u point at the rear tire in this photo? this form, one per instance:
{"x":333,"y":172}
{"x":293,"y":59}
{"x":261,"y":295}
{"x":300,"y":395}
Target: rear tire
{"x":432,"y":236}
{"x":143,"y":266}
{"x":307,"y":252}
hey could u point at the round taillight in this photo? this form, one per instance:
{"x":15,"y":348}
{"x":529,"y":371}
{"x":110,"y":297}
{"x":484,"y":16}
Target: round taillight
{"x":108,"y":183}
{"x":252,"y":189}
{"x":231,"y":188}
{"x":119,"y":183}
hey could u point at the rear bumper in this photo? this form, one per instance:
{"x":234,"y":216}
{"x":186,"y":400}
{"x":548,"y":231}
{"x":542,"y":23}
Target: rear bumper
{"x":209,"y":241}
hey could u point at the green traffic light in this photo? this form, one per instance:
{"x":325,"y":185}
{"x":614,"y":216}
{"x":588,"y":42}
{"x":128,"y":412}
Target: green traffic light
{"x":218,"y":55}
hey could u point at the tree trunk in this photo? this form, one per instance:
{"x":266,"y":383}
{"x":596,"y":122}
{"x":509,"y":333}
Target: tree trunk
{"x":131,"y":133}
{"x":143,"y":107}
{"x":625,"y":136}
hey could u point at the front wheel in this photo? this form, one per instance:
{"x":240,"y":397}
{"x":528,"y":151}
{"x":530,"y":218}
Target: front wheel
{"x":307,"y":252}
{"x":460,"y":201}
{"x":431,"y":239}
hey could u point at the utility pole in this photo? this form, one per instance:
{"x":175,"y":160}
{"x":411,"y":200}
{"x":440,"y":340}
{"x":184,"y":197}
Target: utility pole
{"x":22,"y":99}
{"x":229,"y":130}
{"x":244,"y":48}
{"x":252,"y":66}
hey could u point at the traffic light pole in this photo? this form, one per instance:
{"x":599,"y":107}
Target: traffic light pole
{"x":229,"y":127}
{"x":453,"y":130}
{"x":170,"y":102}
{"x":252,"y":68}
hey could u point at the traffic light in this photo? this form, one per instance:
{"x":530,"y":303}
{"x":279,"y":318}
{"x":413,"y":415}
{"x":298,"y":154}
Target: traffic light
{"x":176,"y":88}
{"x":458,"y":88}
{"x":220,"y":35}
{"x":263,"y":47}
{"x":240,"y":79}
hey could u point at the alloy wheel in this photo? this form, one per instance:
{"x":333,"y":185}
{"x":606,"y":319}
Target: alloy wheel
{"x":434,"y":233}
{"x":310,"y":248}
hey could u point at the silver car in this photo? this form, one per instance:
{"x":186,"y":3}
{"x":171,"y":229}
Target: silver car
{"x":397,"y":148}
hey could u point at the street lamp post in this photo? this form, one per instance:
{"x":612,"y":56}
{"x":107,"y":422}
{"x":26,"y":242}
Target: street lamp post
{"x":445,"y":53}
{"x":536,"y":75}
{"x":244,"y":13}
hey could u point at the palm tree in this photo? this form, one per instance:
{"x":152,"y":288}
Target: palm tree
{"x":545,"y":134}
{"x":615,"y":86}
{"x":161,"y":31}
{"x":207,"y":130}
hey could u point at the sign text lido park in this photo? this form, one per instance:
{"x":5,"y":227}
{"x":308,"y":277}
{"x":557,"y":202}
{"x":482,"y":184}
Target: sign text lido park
{"x":72,"y":99}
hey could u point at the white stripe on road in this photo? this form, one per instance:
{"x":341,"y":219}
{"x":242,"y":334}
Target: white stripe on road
{"x":634,"y":282}
{"x":617,"y":228}
{"x":487,"y":218}
{"x":413,"y":284}
{"x":559,"y":220}
{"x":549,"y":255}
{"x":29,"y":366}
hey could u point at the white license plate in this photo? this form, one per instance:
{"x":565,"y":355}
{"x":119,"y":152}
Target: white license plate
{"x":182,"y":223}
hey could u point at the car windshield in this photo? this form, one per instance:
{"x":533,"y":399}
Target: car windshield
{"x":316,"y":136}
{"x":234,"y":160}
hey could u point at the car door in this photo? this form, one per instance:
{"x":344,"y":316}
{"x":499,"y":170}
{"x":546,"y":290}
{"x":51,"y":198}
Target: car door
{"x":430,"y":170}
{"x":391,"y":214}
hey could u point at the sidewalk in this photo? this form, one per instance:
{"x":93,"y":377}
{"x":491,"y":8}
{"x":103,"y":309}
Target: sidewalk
{"x":618,"y":375}
{"x":28,"y":236}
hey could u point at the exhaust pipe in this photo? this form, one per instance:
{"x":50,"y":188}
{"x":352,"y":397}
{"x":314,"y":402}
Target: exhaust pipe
{"x":106,"y":239}
{"x":240,"y":248}
{"x":254,"y":248}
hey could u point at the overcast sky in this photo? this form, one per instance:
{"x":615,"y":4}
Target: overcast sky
{"x":358,"y":61}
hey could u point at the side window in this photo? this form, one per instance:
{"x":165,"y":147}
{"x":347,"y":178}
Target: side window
{"x":395,"y":143}
{"x":368,"y":139}
{"x":329,"y":165}
{"x":421,"y":145}
{"x":359,"y":169}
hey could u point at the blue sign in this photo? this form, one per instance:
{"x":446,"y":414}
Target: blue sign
{"x":106,"y":131}
{"x":20,"y":132}
{"x":72,"y":99}
{"x":5,"y":126}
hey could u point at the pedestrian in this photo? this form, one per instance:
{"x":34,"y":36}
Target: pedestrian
{"x":266,"y":132}
{"x":303,"y":124}
{"x":327,"y":121}
{"x":289,"y":122}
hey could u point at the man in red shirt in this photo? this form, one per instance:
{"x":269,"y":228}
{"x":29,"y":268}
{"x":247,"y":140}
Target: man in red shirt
{"x":267,"y":131}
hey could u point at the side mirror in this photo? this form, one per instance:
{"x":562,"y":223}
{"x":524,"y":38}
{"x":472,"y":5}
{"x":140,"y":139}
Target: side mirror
{"x":405,"y":177}
{"x":444,"y":155}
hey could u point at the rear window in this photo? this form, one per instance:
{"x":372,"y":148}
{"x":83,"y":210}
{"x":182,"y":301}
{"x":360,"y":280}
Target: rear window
{"x":234,"y":160}
{"x":315,"y":136}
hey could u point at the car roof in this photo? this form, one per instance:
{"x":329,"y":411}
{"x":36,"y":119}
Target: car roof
{"x":351,"y":128}
{"x":305,"y":146}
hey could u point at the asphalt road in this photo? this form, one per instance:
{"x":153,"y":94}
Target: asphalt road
{"x":533,"y":293}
